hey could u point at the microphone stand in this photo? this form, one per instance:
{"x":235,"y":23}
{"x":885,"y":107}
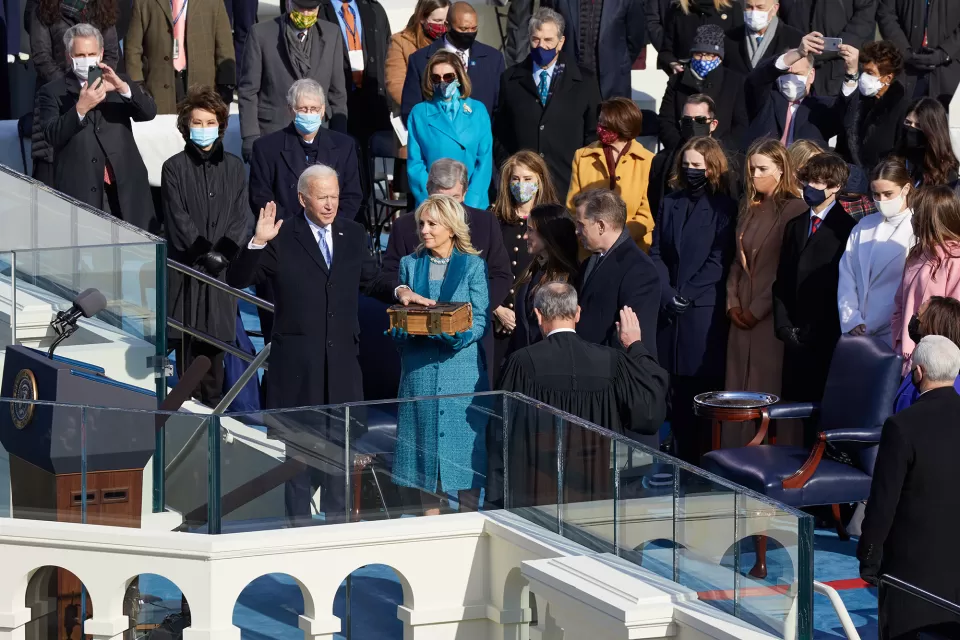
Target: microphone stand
{"x":63,"y":329}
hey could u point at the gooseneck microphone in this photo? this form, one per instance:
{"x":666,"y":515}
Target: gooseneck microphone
{"x":89,"y":303}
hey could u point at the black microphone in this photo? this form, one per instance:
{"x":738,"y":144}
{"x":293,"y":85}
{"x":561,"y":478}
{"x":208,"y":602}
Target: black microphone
{"x":89,"y":303}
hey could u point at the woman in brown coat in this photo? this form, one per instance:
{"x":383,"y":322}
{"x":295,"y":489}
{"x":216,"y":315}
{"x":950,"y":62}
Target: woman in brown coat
{"x":210,"y":58}
{"x":754,"y":354}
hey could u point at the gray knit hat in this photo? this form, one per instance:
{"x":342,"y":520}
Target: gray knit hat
{"x":709,"y":39}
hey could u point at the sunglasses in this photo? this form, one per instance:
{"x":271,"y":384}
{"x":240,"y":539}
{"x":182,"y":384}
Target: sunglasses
{"x":697,"y":119}
{"x":447,"y":77}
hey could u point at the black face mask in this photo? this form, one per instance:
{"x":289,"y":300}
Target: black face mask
{"x":690,"y":129}
{"x":914,"y":139}
{"x":460,"y":39}
{"x":696,"y":178}
{"x":913,"y":329}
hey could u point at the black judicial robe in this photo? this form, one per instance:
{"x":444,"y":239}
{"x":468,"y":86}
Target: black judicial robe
{"x":621,"y":391}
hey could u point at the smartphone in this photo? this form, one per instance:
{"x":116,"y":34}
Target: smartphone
{"x":832,"y":44}
{"x":95,"y":75}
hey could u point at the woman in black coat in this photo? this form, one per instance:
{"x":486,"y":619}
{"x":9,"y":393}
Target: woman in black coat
{"x":551,"y":239}
{"x":681,"y":23}
{"x":48,"y":20}
{"x":204,"y":195}
{"x":693,"y":243}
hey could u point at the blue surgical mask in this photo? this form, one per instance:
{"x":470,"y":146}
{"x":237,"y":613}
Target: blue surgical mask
{"x":204,"y":136}
{"x":542,"y":57}
{"x":307,"y":122}
{"x":523,"y":192}
{"x":703,"y":67}
{"x":447,"y":90}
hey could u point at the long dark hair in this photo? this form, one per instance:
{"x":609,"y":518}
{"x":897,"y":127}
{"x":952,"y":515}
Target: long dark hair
{"x":939,"y":163}
{"x":100,"y":13}
{"x":936,"y":223}
{"x":559,"y":234}
{"x":942,"y":318}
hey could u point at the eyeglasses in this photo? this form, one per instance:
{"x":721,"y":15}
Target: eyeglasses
{"x":309,"y":110}
{"x":697,"y":119}
{"x":447,"y":77}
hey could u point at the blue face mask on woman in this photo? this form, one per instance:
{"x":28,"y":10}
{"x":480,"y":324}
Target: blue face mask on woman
{"x":203,"y":137}
{"x":307,"y":122}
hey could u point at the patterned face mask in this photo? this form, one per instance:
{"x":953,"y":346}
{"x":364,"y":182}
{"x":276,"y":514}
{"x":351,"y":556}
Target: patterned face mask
{"x":703,"y":67}
{"x":301,"y":21}
{"x":523,"y":192}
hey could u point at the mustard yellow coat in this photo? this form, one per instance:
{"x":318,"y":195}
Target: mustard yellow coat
{"x":633,"y":178}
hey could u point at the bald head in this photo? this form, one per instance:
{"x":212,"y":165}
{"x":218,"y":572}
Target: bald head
{"x":462,"y":17}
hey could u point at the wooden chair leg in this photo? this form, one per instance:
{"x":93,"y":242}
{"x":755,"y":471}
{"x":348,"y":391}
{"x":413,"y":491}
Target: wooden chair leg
{"x":838,"y":520}
{"x":759,"y":569}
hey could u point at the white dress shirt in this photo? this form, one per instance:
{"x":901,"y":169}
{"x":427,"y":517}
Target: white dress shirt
{"x":464,"y":55}
{"x":536,"y":73}
{"x":562,"y":330}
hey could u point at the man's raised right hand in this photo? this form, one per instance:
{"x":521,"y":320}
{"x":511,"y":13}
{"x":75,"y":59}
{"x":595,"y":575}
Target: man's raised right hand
{"x":267,"y":225}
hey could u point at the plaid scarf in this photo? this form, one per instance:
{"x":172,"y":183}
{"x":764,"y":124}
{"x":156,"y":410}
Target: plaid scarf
{"x":73,"y":8}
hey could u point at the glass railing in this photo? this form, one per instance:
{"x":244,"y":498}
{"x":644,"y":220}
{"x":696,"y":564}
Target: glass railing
{"x":415,"y":457}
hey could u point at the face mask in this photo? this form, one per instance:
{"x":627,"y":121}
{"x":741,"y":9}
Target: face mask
{"x":693,"y":129}
{"x":696,"y":178}
{"x":81,"y":66}
{"x":307,"y":123}
{"x":523,"y":192}
{"x":460,"y":39}
{"x":204,"y":136}
{"x":913,"y":329}
{"x":447,"y":90}
{"x":756,"y":20}
{"x":914,"y":139}
{"x":703,"y":67}
{"x":870,"y":85}
{"x":434,"y":30}
{"x":792,"y":86}
{"x":890,"y":208}
{"x":301,"y":21}
{"x":814,"y":197}
{"x":542,"y":57}
{"x":606,"y":136}
{"x":765,"y":184}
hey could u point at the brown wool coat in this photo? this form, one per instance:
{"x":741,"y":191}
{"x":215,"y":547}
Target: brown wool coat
{"x":148,"y":48}
{"x":402,"y":46}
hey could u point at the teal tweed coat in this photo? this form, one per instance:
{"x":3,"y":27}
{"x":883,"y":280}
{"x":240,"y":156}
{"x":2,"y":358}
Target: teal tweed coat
{"x":443,"y":438}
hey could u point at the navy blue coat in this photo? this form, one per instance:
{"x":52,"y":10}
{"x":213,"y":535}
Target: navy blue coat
{"x":622,"y":38}
{"x":486,"y":66}
{"x":692,"y":259}
{"x":278,"y":160}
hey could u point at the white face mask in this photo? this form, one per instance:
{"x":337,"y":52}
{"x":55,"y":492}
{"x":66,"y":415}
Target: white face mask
{"x":756,"y":20}
{"x":892,"y":207}
{"x":793,"y":86}
{"x":870,"y":85}
{"x":81,"y":66}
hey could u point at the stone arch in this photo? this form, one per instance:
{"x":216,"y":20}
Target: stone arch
{"x":141,"y":605}
{"x":271,"y":598}
{"x":363,"y":578}
{"x":408,"y":594}
{"x":44,"y":595}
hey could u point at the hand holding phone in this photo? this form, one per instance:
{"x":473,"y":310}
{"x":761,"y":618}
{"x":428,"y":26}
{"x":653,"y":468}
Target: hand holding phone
{"x":832,"y":44}
{"x":95,"y":77}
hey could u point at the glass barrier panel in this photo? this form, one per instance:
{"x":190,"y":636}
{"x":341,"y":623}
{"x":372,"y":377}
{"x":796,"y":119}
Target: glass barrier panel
{"x":530,"y":462}
{"x":186,"y":469}
{"x":587,"y":504}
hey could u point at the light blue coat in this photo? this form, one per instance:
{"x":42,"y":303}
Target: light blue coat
{"x":445,"y":437}
{"x":468,"y":138}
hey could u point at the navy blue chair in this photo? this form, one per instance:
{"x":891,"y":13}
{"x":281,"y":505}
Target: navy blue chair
{"x":861,"y":386}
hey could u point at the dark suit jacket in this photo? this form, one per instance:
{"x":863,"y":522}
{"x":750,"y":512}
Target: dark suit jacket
{"x":725,"y":86}
{"x":104,"y":135}
{"x":805,"y":297}
{"x":624,"y":277}
{"x":485,"y":69}
{"x":314,"y":334}
{"x":621,"y":39}
{"x":738,"y":56}
{"x":567,"y":123}
{"x":817,"y":118}
{"x":692,"y":253}
{"x":912,"y":513}
{"x":278,"y":160}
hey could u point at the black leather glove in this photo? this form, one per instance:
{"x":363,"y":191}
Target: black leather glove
{"x":869,"y":565}
{"x":226,"y":93}
{"x":790,"y":337}
{"x":927,"y":60}
{"x":678,"y":305}
{"x":213,"y":263}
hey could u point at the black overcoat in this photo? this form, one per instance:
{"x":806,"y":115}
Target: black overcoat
{"x":316,"y":331}
{"x":105,"y":133}
{"x":737,"y":55}
{"x":692,"y":253}
{"x":725,"y":86}
{"x":555,"y":131}
{"x":204,"y":196}
{"x":680,"y":29}
{"x":872,"y":126}
{"x":805,"y":297}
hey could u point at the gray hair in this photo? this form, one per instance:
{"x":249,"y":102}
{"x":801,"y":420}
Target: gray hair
{"x":81,"y":30}
{"x":939,"y":357}
{"x":556,"y":300}
{"x":304,"y":87}
{"x":314,"y":172}
{"x":445,"y":174}
{"x":542,"y":16}
{"x":603,"y":204}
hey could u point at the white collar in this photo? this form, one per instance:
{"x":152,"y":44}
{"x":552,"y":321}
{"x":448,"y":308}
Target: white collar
{"x":823,"y":214}
{"x":561,"y":330}
{"x":314,"y":226}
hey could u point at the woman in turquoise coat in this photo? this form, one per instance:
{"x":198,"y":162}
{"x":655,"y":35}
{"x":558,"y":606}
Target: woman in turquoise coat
{"x":441,"y":443}
{"x":449,"y":124}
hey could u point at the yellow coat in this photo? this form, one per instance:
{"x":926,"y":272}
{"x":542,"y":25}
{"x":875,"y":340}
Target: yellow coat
{"x":633,"y":178}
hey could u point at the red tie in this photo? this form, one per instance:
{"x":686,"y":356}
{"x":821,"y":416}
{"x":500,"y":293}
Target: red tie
{"x":815,"y":223}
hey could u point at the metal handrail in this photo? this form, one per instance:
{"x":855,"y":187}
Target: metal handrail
{"x":206,"y":337}
{"x":914,"y":590}
{"x":217,"y":284}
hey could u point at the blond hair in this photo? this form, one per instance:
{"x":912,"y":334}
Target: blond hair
{"x":719,"y":5}
{"x":801,"y":151}
{"x":450,"y":214}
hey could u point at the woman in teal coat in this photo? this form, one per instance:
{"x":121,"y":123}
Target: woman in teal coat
{"x":449,"y":124}
{"x":441,"y":443}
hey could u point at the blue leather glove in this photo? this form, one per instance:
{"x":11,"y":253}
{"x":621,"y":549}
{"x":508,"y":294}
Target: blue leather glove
{"x":398,"y":334}
{"x":456,"y":341}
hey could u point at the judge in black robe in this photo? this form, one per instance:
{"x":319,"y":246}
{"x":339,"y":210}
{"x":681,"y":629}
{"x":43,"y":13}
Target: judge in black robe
{"x":624,"y":392}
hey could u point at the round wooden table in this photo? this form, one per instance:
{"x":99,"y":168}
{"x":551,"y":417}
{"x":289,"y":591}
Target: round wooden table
{"x":736,"y":406}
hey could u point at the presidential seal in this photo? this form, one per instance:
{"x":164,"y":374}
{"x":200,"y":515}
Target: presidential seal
{"x":24,"y":388}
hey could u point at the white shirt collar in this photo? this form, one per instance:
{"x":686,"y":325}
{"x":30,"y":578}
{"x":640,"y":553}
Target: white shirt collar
{"x":537,"y":69}
{"x":561,"y":330}
{"x":826,"y":210}
{"x":314,"y":227}
{"x":449,"y":47}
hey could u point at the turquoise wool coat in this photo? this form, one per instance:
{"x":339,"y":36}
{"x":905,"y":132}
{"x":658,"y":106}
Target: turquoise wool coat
{"x":468,"y":138}
{"x":446,"y":437}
